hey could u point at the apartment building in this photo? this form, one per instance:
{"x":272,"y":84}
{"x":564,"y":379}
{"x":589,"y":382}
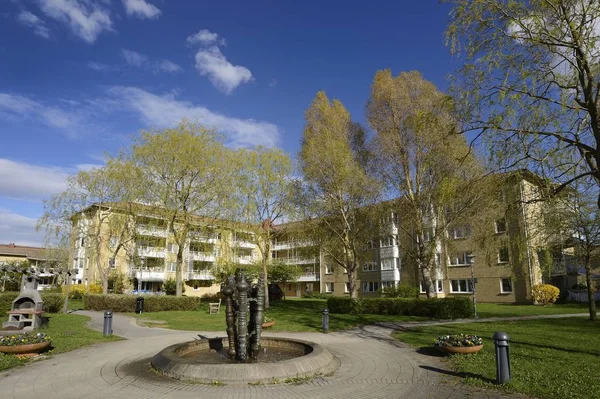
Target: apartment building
{"x":501,"y":254}
{"x":36,"y":257}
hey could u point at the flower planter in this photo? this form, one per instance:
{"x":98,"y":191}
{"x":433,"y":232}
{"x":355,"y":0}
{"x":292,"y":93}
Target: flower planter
{"x":268,"y":324}
{"x":460,"y":349}
{"x":29,"y":348}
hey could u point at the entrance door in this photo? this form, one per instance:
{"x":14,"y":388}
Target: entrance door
{"x":298,"y":289}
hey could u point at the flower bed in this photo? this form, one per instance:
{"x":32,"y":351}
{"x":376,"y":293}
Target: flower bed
{"x":24,"y":343}
{"x":458,"y":340}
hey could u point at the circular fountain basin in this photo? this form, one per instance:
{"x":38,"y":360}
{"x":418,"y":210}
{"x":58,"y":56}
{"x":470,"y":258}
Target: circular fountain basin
{"x":203,"y":361}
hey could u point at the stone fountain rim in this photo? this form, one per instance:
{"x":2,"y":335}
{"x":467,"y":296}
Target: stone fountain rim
{"x":318,"y":361}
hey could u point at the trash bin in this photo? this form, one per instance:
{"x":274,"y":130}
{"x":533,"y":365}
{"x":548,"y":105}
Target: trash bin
{"x":139,"y":305}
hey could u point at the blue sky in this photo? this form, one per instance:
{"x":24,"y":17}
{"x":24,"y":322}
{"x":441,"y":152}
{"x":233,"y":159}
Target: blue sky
{"x":78,"y":78}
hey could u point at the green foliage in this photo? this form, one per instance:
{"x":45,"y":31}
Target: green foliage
{"x":282,"y":273}
{"x":211,"y":297}
{"x":400,"y":291}
{"x":437,"y":308}
{"x":6,"y":299}
{"x":170,"y":286}
{"x":23,"y":339}
{"x":152,"y":303}
{"x":316,"y":295}
{"x":53,"y":302}
{"x":117,"y":281}
{"x":545,"y":294}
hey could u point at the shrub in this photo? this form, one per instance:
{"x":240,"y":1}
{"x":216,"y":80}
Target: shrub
{"x":77,"y":291}
{"x":437,"y":308}
{"x":152,"y":303}
{"x":545,"y":294}
{"x":401,"y":291}
{"x":53,"y":302}
{"x":211,"y":297}
{"x":6,"y":299}
{"x":170,"y":286}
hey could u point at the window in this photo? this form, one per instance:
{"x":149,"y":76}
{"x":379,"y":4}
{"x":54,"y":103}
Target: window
{"x":370,"y":286}
{"x":370,"y":267}
{"x":173,"y":248}
{"x":328,"y":287}
{"x":436,"y":283}
{"x":388,"y":284}
{"x":460,"y":258}
{"x":503,"y":255}
{"x":461,"y":286}
{"x":82,"y":242}
{"x":501,"y":226}
{"x":347,"y":287}
{"x":389,"y":263}
{"x":388,"y":241}
{"x":458,"y":232}
{"x":506,"y":285}
{"x":371,"y":245}
{"x":309,"y":287}
{"x":289,"y":287}
{"x":79,"y":263}
{"x":112,"y":263}
{"x":328,"y":269}
{"x":427,"y":234}
{"x":171,"y":266}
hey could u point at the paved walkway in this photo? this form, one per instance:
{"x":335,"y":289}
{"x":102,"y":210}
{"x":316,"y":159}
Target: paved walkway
{"x":372,"y":364}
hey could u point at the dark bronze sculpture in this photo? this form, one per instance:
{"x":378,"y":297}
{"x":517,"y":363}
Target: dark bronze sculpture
{"x":244,"y":305}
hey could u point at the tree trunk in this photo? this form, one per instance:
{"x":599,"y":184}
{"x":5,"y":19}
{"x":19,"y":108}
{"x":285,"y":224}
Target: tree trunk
{"x":590,"y":293}
{"x":351,"y":283}
{"x":266,"y":261}
{"x":105,"y":283}
{"x":67,"y":291}
{"x":426,"y":280}
{"x":178,"y":273}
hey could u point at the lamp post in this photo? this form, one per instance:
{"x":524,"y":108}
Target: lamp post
{"x":473,"y":282}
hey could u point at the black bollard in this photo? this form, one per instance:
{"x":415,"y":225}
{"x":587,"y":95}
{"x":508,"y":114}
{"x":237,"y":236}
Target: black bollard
{"x":107,"y":323}
{"x":502,"y":358}
{"x":325,"y":320}
{"x":139,"y":305}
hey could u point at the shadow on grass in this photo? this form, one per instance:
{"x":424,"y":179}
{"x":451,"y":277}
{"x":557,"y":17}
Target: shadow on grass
{"x":457,"y":374}
{"x":430,"y":351}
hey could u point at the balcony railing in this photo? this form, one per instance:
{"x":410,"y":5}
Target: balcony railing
{"x":151,"y":252}
{"x":297,"y":260}
{"x":244,"y":244}
{"x":148,"y":230}
{"x":200,"y":275}
{"x":148,"y":275}
{"x":203,"y":237}
{"x":308,"y":276}
{"x":279,"y":245}
{"x":203,"y":256}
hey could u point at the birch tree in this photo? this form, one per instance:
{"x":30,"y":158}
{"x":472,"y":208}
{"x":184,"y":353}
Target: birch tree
{"x":337,"y":191}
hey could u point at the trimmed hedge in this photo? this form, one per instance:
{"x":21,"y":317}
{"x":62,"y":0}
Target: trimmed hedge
{"x":437,"y":308}
{"x":53,"y":302}
{"x":152,"y":303}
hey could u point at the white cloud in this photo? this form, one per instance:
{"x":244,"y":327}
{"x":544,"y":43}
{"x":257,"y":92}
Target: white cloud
{"x":167,"y":66}
{"x":19,"y":229}
{"x":24,"y":107}
{"x":133,"y":58}
{"x":24,"y":181}
{"x":222,"y":74}
{"x":141,"y":9}
{"x":205,"y":38}
{"x":31,"y":20}
{"x":166,"y":110}
{"x":98,"y":66}
{"x":86,"y":18}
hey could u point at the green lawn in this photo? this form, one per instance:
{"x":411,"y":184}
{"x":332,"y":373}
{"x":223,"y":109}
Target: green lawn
{"x":297,"y":315}
{"x":68,"y":332}
{"x":550,"y":358}
{"x":511,"y":310}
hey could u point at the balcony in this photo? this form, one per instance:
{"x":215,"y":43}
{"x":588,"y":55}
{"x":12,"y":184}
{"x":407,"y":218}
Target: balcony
{"x":202,"y":256}
{"x":153,"y":231}
{"x":151,"y":252}
{"x":203,"y":237}
{"x":245,"y":259}
{"x":148,"y":275}
{"x":244,"y":244}
{"x":297,"y":261}
{"x":308,"y":277}
{"x":278,"y":246}
{"x":200,"y":275}
{"x":389,"y":252}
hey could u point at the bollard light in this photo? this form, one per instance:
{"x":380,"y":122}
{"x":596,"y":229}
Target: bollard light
{"x":107,"y":330}
{"x":502,"y":357}
{"x":325,"y":320}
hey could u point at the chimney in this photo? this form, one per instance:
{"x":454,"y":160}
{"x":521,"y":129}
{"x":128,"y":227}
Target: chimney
{"x":11,"y":245}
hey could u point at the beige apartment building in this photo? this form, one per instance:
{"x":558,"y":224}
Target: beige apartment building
{"x":505,"y":268}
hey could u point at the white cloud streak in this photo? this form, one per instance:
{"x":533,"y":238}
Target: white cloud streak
{"x":28,"y":182}
{"x":100,"y":67}
{"x":141,"y":9}
{"x":166,"y":110}
{"x":23,"y":107}
{"x":19,"y":229}
{"x":86,"y":18}
{"x":31,"y":20}
{"x":134,"y":58}
{"x":223,"y":75}
{"x":206,"y":38}
{"x":167,"y":66}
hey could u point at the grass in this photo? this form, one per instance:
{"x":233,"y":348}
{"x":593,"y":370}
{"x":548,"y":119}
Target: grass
{"x":511,"y":310}
{"x":550,"y":358}
{"x":68,"y":332}
{"x":293,"y":315}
